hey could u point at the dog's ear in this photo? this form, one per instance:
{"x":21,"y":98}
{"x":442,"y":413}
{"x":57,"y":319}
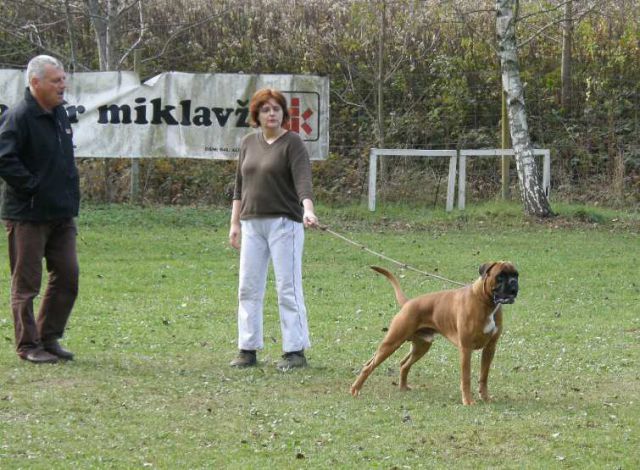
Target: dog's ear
{"x":484,"y":268}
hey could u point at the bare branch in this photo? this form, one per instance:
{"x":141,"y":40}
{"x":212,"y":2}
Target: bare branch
{"x":539,"y":32}
{"x":555,"y":22}
{"x":14,"y":31}
{"x":355,"y":105}
{"x":179,"y":32}
{"x":140,"y":36}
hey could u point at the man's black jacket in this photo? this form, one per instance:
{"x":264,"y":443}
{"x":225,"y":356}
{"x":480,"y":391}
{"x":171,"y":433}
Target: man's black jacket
{"x":37,"y":163}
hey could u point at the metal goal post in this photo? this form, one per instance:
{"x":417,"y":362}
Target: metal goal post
{"x":462,"y":172}
{"x":373,"y":169}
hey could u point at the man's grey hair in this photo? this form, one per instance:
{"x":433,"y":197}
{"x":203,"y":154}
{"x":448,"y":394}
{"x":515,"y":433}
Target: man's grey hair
{"x":36,"y":66}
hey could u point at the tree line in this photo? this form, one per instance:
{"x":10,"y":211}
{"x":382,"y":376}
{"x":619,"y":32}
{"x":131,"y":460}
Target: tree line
{"x":404,"y":74}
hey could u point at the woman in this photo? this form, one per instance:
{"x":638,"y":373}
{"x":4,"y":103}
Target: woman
{"x":272,"y":203}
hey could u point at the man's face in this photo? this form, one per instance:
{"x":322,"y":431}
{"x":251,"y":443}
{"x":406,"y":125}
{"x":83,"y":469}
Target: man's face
{"x":49,"y":90}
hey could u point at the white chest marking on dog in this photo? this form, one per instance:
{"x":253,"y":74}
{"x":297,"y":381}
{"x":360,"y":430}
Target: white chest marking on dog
{"x":490,"y":327}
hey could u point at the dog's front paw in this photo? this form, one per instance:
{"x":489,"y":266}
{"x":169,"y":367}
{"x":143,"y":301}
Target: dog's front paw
{"x":484,"y":394}
{"x":354,"y":391}
{"x":468,"y":401}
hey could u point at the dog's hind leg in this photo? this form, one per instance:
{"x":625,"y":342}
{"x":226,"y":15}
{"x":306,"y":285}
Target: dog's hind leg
{"x":385,"y":350}
{"x":401,"y":329}
{"x":419,"y":347}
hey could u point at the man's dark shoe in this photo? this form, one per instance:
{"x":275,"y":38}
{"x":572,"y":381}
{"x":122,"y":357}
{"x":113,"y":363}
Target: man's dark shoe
{"x":291,"y":360}
{"x":54,"y":348}
{"x":245,"y":358}
{"x":39,"y":356}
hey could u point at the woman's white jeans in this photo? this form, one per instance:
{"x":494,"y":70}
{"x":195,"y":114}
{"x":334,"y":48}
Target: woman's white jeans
{"x":280,"y":240}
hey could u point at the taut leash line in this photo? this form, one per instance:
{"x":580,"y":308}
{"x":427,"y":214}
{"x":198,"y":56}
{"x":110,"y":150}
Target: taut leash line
{"x":324,"y":228}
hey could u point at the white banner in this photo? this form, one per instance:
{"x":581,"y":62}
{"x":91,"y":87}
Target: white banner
{"x":178,"y":115}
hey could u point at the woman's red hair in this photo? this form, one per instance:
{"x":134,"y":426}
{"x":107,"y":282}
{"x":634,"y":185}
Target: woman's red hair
{"x":259,"y":98}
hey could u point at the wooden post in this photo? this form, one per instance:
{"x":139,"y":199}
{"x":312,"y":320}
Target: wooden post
{"x":506,"y":160}
{"x":135,"y":163}
{"x":380,"y":89}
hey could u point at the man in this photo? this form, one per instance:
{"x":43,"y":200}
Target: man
{"x":41,"y":197}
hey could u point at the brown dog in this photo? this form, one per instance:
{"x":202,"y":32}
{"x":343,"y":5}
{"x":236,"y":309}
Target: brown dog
{"x":470,"y":317}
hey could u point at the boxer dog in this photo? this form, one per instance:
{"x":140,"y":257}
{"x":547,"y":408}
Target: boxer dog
{"x":470,"y":317}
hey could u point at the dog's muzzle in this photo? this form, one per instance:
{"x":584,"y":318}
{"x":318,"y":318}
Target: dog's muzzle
{"x":508,"y":294}
{"x":504,"y":299}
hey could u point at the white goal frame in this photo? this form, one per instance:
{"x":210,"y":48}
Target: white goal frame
{"x":461,"y":169}
{"x":462,"y":172}
{"x":373,"y":169}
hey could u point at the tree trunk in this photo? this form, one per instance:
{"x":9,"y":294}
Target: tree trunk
{"x":533,"y":197}
{"x":384,"y":166}
{"x":72,"y":41}
{"x":104,"y":19}
{"x":566,"y":66}
{"x":105,"y":24}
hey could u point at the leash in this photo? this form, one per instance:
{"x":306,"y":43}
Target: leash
{"x":325,"y":228}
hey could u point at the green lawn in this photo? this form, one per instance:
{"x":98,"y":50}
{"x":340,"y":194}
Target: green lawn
{"x":154,"y":329}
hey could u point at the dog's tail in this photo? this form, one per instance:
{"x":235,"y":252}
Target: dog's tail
{"x":400,"y":297}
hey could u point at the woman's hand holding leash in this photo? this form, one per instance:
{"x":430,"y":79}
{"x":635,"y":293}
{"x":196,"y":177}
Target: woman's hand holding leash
{"x":310,"y":220}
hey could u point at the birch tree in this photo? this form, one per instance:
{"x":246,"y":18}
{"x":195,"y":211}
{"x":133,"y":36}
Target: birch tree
{"x":534,"y":199}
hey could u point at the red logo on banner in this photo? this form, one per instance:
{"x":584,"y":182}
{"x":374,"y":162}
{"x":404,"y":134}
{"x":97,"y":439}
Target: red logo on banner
{"x":297,"y":120}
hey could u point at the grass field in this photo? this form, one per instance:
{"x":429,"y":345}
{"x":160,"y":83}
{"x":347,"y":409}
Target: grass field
{"x":154,"y":329}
